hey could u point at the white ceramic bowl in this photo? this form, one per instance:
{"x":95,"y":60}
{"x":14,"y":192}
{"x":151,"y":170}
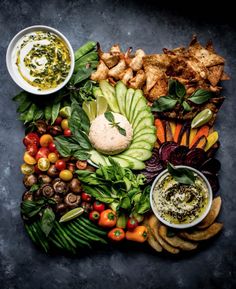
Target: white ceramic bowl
{"x":12,"y":68}
{"x":197,"y":220}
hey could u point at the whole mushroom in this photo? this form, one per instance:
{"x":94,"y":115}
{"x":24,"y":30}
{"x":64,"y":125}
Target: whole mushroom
{"x":52,"y":171}
{"x":45,"y":179}
{"x":75,"y":186}
{"x":47,"y":190}
{"x":60,"y":187}
{"x":72,"y":200}
{"x":61,"y":208}
{"x":27,"y":196}
{"x":30,"y":180}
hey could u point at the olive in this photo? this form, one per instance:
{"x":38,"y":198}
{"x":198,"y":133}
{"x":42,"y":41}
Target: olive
{"x":29,"y":180}
{"x":45,"y":179}
{"x":52,"y":171}
{"x":75,"y":186}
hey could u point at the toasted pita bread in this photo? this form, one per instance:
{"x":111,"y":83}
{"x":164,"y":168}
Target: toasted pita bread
{"x":176,"y":241}
{"x":138,"y":81}
{"x":201,"y":235}
{"x":159,"y":89}
{"x":151,"y":238}
{"x":118,"y":69}
{"x":212,"y":215}
{"x":215,"y":74}
{"x":101,"y":72}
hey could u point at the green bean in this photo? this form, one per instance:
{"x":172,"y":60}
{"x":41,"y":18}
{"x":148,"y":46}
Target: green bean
{"x":78,"y":239}
{"x":65,"y":234}
{"x":84,"y":49}
{"x":31,"y":234}
{"x":92,"y":228}
{"x":92,"y":225}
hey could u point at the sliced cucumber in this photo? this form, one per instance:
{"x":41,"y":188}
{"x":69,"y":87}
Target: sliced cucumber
{"x":139,"y":154}
{"x":143,"y":114}
{"x":108,"y":92}
{"x":141,"y":145}
{"x":144,"y":122}
{"x":140,"y":105}
{"x":135,"y":164}
{"x":146,"y":130}
{"x":128,"y":101}
{"x":122,"y":162}
{"x":121,"y":91}
{"x":97,"y":158}
{"x":97,"y":91}
{"x":136,"y":97}
{"x":147,"y":137}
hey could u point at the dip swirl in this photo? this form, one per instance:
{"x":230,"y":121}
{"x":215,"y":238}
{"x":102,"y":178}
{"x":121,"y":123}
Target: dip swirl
{"x":42,"y":59}
{"x":178,"y":203}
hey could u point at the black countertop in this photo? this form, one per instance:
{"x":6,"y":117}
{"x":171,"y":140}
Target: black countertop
{"x":130,"y":23}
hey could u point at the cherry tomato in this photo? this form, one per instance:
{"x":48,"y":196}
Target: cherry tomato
{"x":31,"y":138}
{"x":131,"y":224}
{"x":27,"y":169}
{"x":86,"y":197}
{"x":42,"y":153}
{"x":53,"y":157}
{"x":32,"y":149}
{"x":98,"y":206}
{"x":81,"y":165}
{"x":58,"y":120}
{"x":66,"y":175}
{"x":94,"y":216}
{"x":45,"y":140}
{"x":67,"y":132}
{"x":43,"y":164}
{"x":52,"y":147}
{"x":65,"y":124}
{"x":37,"y":170}
{"x":60,"y":165}
{"x":29,"y":159}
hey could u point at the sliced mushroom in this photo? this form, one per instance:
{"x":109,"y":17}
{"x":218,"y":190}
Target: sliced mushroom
{"x":47,"y":190}
{"x":60,"y":187}
{"x":72,"y":200}
{"x":30,"y":180}
{"x":57,"y":199}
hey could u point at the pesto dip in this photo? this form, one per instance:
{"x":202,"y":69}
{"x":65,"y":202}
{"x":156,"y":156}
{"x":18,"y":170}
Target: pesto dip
{"x":42,"y":59}
{"x":178,"y":203}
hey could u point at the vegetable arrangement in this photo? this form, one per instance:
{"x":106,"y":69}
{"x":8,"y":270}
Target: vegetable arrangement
{"x":78,"y":196}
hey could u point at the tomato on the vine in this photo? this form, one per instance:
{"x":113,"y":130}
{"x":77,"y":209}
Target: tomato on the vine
{"x":60,"y":165}
{"x":31,"y":138}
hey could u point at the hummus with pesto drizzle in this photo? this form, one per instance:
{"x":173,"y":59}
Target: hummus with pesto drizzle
{"x":178,"y":203}
{"x":42,"y":59}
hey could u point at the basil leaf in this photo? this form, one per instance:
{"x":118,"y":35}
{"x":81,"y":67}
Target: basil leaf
{"x":82,"y":74}
{"x":47,"y":221}
{"x":48,"y":112}
{"x":62,"y":149}
{"x":121,"y":130}
{"x":81,"y":155}
{"x":125,"y":203}
{"x":181,"y":175}
{"x":39,"y":114}
{"x":78,"y":119}
{"x":109,"y":116}
{"x":176,"y":88}
{"x":24,"y":104}
{"x":164,"y":103}
{"x":68,"y":142}
{"x":55,"y":111}
{"x":31,"y":208}
{"x":98,"y":195}
{"x":186,"y":106}
{"x":34,"y":188}
{"x":23,"y":95}
{"x":83,"y":140}
{"x":200,"y":96}
{"x":143,"y":205}
{"x":30,"y":113}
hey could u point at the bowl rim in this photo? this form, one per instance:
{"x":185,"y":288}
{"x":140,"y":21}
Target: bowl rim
{"x":197,"y":220}
{"x":11,"y":69}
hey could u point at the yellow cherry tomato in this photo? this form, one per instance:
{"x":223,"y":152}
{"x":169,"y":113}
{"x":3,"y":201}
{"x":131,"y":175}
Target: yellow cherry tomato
{"x":45,"y":139}
{"x":29,"y":159}
{"x":43,"y":164}
{"x":53,"y":157}
{"x":64,"y":124}
{"x":66,"y":175}
{"x":27,"y":169}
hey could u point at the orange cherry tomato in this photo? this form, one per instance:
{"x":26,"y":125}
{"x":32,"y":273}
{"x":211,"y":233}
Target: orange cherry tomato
{"x":45,"y":139}
{"x":53,"y":157}
{"x":43,"y":164}
{"x":107,"y":219}
{"x":66,"y":175}
{"x":27,"y":169}
{"x":65,"y":124}
{"x":29,"y":159}
{"x":116,"y":234}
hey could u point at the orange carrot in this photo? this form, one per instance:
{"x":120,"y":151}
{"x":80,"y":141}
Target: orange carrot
{"x":177,"y":131}
{"x":203,"y":131}
{"x":160,"y":130}
{"x":169,"y":135}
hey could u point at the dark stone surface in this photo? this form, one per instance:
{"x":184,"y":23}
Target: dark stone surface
{"x":130,"y":23}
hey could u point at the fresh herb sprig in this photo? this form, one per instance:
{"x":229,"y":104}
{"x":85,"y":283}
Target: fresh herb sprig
{"x":181,"y":175}
{"x":110,"y":117}
{"x":177,"y":94}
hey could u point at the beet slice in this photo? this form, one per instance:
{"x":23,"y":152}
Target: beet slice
{"x":166,"y":149}
{"x":154,"y":164}
{"x":177,"y":156}
{"x":213,"y":180}
{"x":195,"y":157}
{"x":211,"y":165}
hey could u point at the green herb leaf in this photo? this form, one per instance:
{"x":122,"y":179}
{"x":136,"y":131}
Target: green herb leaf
{"x":30,"y":113}
{"x":200,"y":96}
{"x":125,"y":203}
{"x":186,"y":106}
{"x":82,"y":74}
{"x":34,"y":188}
{"x":109,"y":116}
{"x":81,"y":155}
{"x":164,"y":103}
{"x":48,"y":112}
{"x":181,"y":175}
{"x":121,"y":130}
{"x":47,"y":221}
{"x":55,"y":111}
{"x":176,"y":88}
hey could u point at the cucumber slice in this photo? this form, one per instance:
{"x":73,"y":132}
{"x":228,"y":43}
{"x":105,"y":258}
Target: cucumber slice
{"x":146,"y":130}
{"x":144,"y":122}
{"x":97,"y":158}
{"x":141,"y":145}
{"x":135,"y":164}
{"x":128,"y":101}
{"x":147,"y":137}
{"x":97,"y":92}
{"x":141,"y":105}
{"x":139,"y":154}
{"x":108,"y":92}
{"x":121,"y":91}
{"x":143,"y":114}
{"x":136,"y":97}
{"x":122,"y":162}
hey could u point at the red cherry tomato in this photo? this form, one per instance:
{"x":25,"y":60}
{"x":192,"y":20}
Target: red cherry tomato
{"x":94,"y":216}
{"x":132,"y":224}
{"x":60,"y":165}
{"x":86,"y":197}
{"x":67,"y":132}
{"x":32,"y":149}
{"x":31,"y":138}
{"x":98,"y":206}
{"x":43,"y":152}
{"x":37,"y":170}
{"x":58,"y":120}
{"x":52,"y":147}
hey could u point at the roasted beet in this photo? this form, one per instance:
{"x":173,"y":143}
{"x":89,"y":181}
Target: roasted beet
{"x":165,"y":150}
{"x":177,"y":156}
{"x":213,"y":180}
{"x":211,"y":165}
{"x":195,"y":157}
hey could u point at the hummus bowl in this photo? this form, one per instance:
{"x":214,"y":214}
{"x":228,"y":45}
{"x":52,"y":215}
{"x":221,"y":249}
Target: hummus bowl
{"x":177,"y":205}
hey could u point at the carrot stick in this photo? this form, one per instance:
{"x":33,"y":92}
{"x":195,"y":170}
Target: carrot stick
{"x":177,"y":131}
{"x":203,"y":131}
{"x":160,"y":130}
